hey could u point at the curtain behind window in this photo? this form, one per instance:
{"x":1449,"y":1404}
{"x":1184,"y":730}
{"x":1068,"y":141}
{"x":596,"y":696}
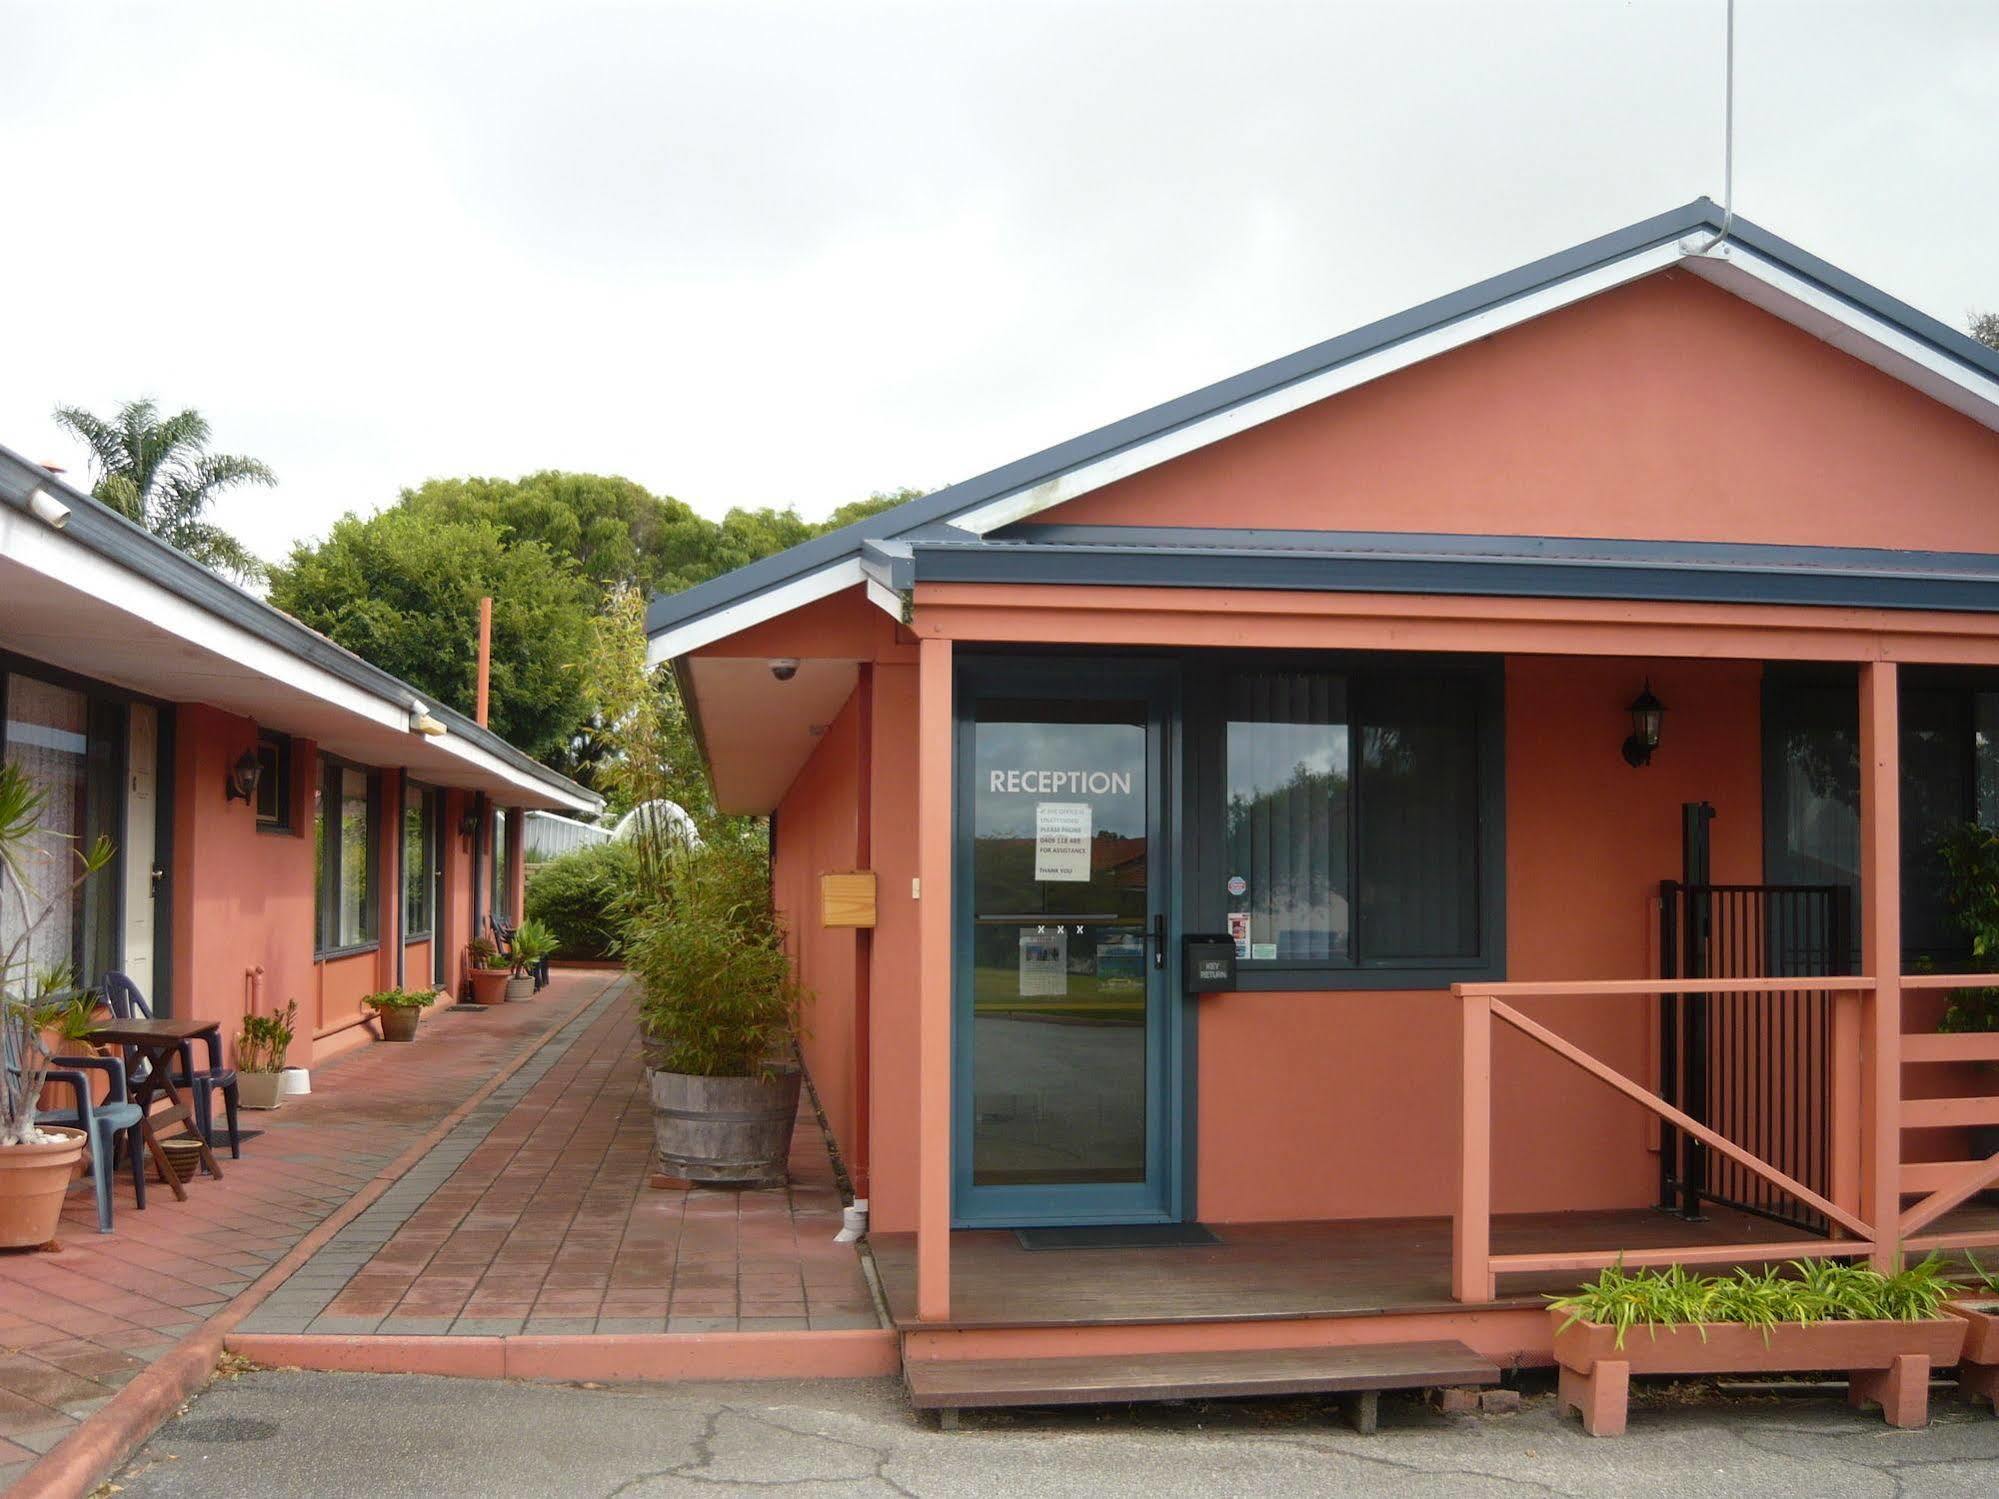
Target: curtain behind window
{"x":66,"y":744}
{"x":1418,"y":821}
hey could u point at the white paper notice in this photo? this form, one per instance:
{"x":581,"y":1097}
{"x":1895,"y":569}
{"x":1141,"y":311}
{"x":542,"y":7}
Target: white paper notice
{"x":1062,"y":841}
{"x":1044,"y":961}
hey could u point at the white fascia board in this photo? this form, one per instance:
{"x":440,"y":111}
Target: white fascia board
{"x":885,"y":599}
{"x":1850,"y":329}
{"x":1023,"y":503}
{"x":709,"y":628}
{"x":41,"y":549}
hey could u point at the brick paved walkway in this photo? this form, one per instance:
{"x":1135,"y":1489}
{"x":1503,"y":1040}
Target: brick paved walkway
{"x":78,"y":1324}
{"x":535,"y":1215}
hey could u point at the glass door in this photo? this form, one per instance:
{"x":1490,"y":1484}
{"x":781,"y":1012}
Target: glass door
{"x":1063,"y":1034}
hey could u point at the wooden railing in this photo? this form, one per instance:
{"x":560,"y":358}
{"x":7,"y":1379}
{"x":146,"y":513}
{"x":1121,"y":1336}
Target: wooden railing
{"x":1475,"y":1268}
{"x":1859,"y":1146}
{"x":1946,"y":1183}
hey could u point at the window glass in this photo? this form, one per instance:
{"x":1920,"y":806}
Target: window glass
{"x":416,"y":862}
{"x":274,"y":782}
{"x":357,"y":865}
{"x":1418,"y":850}
{"x":500,"y":906}
{"x":1289,"y":769}
{"x":66,"y":745}
{"x":1352,"y":817}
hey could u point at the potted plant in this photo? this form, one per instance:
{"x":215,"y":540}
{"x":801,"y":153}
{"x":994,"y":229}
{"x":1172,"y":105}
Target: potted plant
{"x":717,"y":1007}
{"x":36,"y":1165}
{"x":487,"y":971}
{"x":261,"y":1045}
{"x":399,"y":1010}
{"x":532,"y":944}
{"x":1886,"y":1331}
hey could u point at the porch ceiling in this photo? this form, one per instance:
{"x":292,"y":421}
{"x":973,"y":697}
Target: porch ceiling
{"x":758,"y":732}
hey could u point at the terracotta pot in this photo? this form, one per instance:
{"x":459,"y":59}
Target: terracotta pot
{"x":260,"y":1090}
{"x":33,"y":1179}
{"x":520,"y":988}
{"x":489,"y":985}
{"x":398,"y":1022}
{"x":1734,"y":1348}
{"x":724,"y":1129}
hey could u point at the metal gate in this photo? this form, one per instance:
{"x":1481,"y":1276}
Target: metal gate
{"x":1755,"y":1068}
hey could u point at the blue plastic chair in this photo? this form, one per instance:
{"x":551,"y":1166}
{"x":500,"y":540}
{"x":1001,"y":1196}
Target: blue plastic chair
{"x":128,"y":1003}
{"x":503,"y":938}
{"x":101,"y":1123}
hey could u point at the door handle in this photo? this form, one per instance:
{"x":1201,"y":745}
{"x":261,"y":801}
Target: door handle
{"x":1159,"y":940}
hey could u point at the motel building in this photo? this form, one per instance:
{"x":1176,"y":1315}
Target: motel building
{"x":289,"y":822}
{"x":1331,"y":817}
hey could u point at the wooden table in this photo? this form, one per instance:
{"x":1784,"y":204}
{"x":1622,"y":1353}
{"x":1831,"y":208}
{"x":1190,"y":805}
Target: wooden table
{"x":160,"y":1044}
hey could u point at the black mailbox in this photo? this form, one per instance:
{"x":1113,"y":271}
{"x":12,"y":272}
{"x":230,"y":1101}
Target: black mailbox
{"x":1210,"y":964}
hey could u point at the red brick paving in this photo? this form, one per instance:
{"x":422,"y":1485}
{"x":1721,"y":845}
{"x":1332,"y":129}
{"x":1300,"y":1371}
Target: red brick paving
{"x":550,"y":1226}
{"x":77,"y":1324}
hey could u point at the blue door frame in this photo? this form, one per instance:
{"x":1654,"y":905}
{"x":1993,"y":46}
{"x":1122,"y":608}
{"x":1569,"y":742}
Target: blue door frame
{"x":1165,"y":1194}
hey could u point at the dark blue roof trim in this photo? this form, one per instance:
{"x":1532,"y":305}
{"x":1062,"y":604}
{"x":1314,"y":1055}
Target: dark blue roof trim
{"x":670,"y":610}
{"x":1516,"y":567}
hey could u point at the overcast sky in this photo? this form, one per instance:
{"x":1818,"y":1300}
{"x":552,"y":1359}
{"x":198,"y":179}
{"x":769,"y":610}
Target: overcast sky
{"x":760,"y":253}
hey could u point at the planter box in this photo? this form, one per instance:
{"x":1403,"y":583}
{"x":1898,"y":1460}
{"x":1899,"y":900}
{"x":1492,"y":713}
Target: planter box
{"x":1888,"y":1363}
{"x":724,"y":1129}
{"x":489,"y":985}
{"x":260,"y":1090}
{"x":398,"y":1022}
{"x":520,"y":989}
{"x":33,"y":1179}
{"x":1978,"y":1370}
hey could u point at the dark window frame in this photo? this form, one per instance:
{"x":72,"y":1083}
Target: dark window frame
{"x":1206,"y":901}
{"x":326,"y":915}
{"x":275,"y":754}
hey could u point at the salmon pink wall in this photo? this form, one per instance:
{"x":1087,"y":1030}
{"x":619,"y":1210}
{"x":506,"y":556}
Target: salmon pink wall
{"x":242,"y":898}
{"x":892,"y":1007}
{"x":817,"y":831}
{"x":1666,"y":409}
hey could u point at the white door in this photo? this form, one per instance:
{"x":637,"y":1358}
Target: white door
{"x":137,"y":847}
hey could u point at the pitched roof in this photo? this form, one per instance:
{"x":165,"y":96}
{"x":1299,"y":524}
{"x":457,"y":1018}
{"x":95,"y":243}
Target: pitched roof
{"x":1753,"y":263}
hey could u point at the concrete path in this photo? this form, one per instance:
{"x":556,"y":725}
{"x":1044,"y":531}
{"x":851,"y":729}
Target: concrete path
{"x":272,"y":1434}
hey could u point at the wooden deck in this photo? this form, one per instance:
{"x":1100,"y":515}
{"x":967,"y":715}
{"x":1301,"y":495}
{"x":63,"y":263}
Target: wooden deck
{"x":1362,"y":1268}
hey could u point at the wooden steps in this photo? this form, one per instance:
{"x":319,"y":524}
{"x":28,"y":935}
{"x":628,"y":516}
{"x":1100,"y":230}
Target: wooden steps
{"x":1363,"y":1370}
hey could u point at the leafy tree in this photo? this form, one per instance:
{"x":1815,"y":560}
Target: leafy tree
{"x":1985,"y":328}
{"x":402,"y":589}
{"x":157,"y":471}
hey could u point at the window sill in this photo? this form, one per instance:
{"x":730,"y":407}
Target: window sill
{"x":326,"y":954}
{"x":1331,"y":980}
{"x":410,"y":939}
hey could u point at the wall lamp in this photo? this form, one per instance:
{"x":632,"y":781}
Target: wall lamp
{"x":1647,"y":714}
{"x":468,"y":826}
{"x":244,"y":776}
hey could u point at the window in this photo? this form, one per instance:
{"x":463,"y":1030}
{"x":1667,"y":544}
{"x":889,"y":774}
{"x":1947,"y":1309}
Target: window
{"x":500,"y":905}
{"x":344,"y":839}
{"x":419,"y":861}
{"x":274,"y":783}
{"x":1359,"y":808}
{"x":67,"y":744}
{"x":1811,"y":774}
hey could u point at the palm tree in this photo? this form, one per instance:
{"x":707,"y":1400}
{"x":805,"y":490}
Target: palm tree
{"x":159,"y":473}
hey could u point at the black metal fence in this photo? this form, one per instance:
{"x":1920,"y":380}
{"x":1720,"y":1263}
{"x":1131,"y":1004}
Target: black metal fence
{"x":1755,"y":1068}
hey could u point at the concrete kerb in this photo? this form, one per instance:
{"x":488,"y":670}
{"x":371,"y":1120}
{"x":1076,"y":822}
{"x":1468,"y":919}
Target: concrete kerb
{"x":859,"y":1353}
{"x":84,"y":1458}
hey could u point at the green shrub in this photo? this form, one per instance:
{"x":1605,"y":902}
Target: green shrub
{"x":400,"y":999}
{"x":1804,"y":1291}
{"x":716,"y":994}
{"x":582,"y":898}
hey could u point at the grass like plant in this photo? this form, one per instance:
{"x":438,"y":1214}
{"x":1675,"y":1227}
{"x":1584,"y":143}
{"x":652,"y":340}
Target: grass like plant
{"x":401,"y":999}
{"x":1804,"y":1291}
{"x":264,"y":1040}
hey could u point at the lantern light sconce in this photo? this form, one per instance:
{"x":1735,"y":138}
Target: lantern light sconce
{"x":244,"y":776}
{"x":1647,"y":714}
{"x":468,"y":827}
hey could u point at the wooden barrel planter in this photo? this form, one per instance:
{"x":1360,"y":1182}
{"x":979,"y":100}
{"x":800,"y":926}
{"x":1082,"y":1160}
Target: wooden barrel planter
{"x":1887,"y":1363}
{"x":735,"y":1130}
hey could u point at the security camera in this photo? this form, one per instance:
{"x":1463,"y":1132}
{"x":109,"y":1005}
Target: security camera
{"x":784,"y":668}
